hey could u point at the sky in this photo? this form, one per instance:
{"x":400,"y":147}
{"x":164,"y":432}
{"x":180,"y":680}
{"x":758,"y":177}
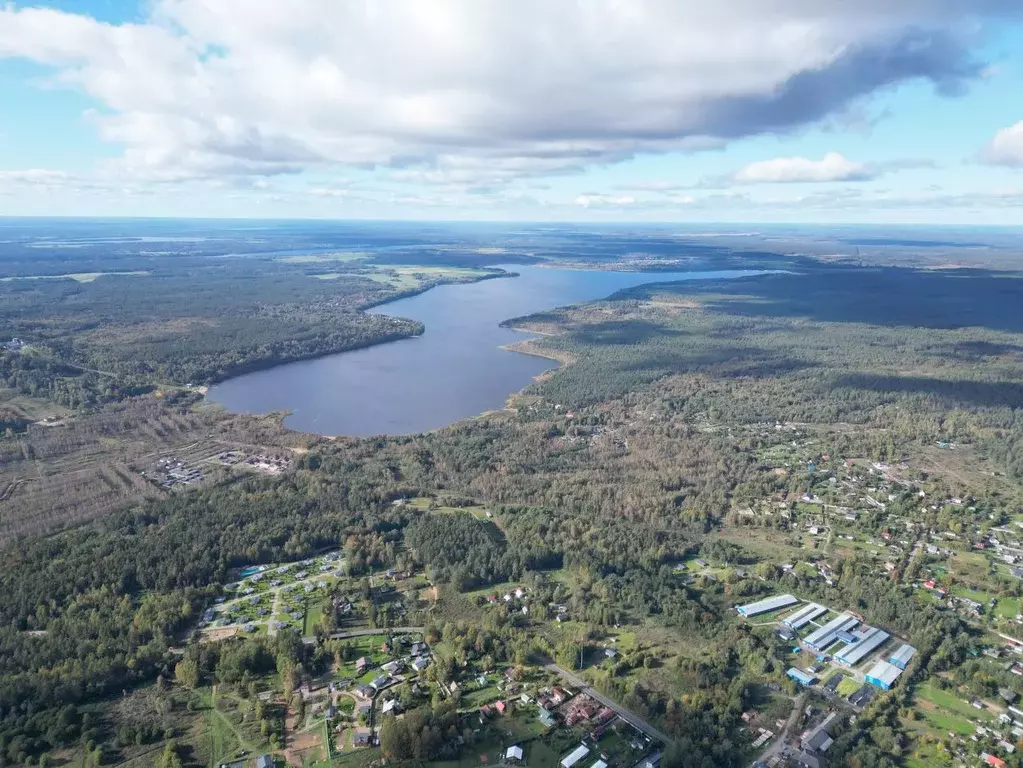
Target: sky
{"x":810,"y":111}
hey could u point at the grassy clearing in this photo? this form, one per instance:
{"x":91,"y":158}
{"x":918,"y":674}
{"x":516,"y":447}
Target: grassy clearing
{"x":948,"y":701}
{"x":925,"y":751}
{"x":78,"y":277}
{"x":971,"y":566}
{"x":312,"y":616}
{"x":1007,"y":608}
{"x":31,"y":408}
{"x":426,"y":504}
{"x":972,"y":594}
{"x":324,"y":258}
{"x":947,"y":722}
{"x":848,"y":687}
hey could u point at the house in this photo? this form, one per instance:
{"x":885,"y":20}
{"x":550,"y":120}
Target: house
{"x":361,"y":738}
{"x":1008,"y":695}
{"x":546,"y":718}
{"x":361,"y":664}
{"x":993,"y":760}
{"x":513,"y":753}
{"x":380,"y":682}
{"x":610,"y":653}
{"x":819,"y":739}
{"x":391,"y":706}
{"x":806,"y":760}
{"x":501,"y":707}
{"x":863,"y":696}
{"x":420,"y":664}
{"x":653,"y":761}
{"x":264,"y":761}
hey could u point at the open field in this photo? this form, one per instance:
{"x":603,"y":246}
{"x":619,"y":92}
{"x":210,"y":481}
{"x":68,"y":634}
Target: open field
{"x":951,"y":704}
{"x":325,"y":258}
{"x":78,"y":277}
{"x":88,"y":465}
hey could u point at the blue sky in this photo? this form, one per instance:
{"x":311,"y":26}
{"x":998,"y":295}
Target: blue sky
{"x":660,"y":110}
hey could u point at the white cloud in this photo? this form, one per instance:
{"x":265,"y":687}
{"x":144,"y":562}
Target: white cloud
{"x":832,"y":167}
{"x":329,"y":192}
{"x":593,"y":200}
{"x":1006,"y":148}
{"x":36,"y":176}
{"x":481,"y":91}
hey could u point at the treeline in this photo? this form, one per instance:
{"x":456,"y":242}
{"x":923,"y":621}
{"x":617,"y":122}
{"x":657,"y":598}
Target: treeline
{"x":39,"y":375}
{"x":92,"y":612}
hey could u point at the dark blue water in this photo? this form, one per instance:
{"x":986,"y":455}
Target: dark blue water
{"x":456,"y":370}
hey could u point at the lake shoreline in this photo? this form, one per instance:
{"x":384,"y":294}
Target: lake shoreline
{"x":459,"y":369}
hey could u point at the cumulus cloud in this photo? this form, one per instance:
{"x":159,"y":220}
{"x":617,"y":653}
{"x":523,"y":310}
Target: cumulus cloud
{"x":1006,"y":148}
{"x":35,"y":176}
{"x":461,"y":87}
{"x":591,"y":200}
{"x":832,"y":167}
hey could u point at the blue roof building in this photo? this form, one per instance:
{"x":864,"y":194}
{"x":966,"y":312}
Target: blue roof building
{"x":902,"y":657}
{"x":883,"y":675}
{"x":801,"y":677}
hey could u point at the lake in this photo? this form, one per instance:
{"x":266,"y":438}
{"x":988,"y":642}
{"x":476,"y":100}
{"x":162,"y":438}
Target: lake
{"x":455,"y":370}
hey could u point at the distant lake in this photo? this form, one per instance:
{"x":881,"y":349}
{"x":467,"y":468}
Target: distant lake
{"x":455,"y":370}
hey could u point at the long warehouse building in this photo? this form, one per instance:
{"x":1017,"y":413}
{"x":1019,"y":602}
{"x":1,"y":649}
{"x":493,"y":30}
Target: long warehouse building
{"x":803,"y":616}
{"x":870,"y":639}
{"x":883,"y":675}
{"x":765,"y":606}
{"x":821,"y":638}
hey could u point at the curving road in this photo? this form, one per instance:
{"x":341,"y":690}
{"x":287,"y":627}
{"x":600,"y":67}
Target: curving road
{"x":628,"y":716}
{"x":779,"y":744}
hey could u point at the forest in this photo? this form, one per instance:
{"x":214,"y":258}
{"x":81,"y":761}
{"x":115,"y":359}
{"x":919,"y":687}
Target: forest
{"x":668,"y":388}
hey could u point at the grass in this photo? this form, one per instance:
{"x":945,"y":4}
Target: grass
{"x":423,"y":503}
{"x":312,"y":616}
{"x":946,"y":721}
{"x":971,"y":594}
{"x":34,"y":409}
{"x":78,"y":277}
{"x":322,"y":258}
{"x":953,"y":704}
{"x":360,"y":758}
{"x":848,"y":687}
{"x":970,"y":566}
{"x":1007,"y":608}
{"x":410,"y":277}
{"x":924,"y":751}
{"x":226,"y":737}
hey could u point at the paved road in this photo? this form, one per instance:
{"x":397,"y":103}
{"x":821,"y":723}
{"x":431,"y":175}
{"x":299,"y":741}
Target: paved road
{"x":778,"y":745}
{"x":631,"y":718}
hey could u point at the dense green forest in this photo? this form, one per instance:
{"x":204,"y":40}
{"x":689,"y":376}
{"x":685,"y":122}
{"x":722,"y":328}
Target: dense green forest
{"x":199,"y":322}
{"x":669,"y":387}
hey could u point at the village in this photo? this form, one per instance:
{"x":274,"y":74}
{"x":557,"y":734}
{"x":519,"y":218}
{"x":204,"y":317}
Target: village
{"x":937,"y":544}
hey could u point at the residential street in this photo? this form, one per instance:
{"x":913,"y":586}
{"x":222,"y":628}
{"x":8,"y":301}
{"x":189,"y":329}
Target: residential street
{"x":631,"y":718}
